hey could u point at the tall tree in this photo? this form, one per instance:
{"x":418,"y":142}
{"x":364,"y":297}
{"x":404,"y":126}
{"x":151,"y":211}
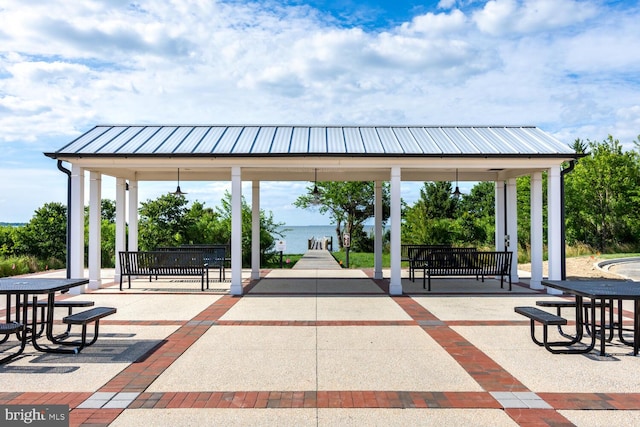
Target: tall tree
{"x":602,"y":197}
{"x":45,"y":235}
{"x":163,"y":222}
{"x":431,"y":218}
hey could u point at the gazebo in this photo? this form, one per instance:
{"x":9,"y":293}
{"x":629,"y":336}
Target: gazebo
{"x":255,"y":153}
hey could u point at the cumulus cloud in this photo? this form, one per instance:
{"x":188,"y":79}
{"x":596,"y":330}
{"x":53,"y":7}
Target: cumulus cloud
{"x":528,"y":16}
{"x":65,"y":67}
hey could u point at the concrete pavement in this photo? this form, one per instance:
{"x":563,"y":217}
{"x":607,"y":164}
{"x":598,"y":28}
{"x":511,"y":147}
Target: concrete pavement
{"x":321,"y":347}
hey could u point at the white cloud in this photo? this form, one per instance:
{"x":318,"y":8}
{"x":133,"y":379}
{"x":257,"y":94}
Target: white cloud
{"x":564,"y":65}
{"x":530,"y":16}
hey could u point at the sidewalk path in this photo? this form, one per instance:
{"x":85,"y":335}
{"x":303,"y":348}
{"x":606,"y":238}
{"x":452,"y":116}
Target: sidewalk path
{"x":315,"y":259}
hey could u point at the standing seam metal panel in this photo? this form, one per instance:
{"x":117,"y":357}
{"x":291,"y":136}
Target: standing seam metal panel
{"x":173,"y":142}
{"x":353,"y":140}
{"x":407,"y":141}
{"x":462,"y":143}
{"x":132,"y":145}
{"x":425,"y":141}
{"x":264,"y":140}
{"x":193,"y":141}
{"x":501,"y":145}
{"x":335,"y":140}
{"x":78,"y":144}
{"x":389,"y":140}
{"x":483,"y":145}
{"x":228,"y":140}
{"x":549,"y":143}
{"x":155,"y":141}
{"x":317,"y":140}
{"x":282,"y":140}
{"x":246,"y":139}
{"x":121,"y":140}
{"x":518,"y":145}
{"x":371,"y":142}
{"x":210,"y":140}
{"x":443,"y":141}
{"x":299,"y":140}
{"x":96,"y":144}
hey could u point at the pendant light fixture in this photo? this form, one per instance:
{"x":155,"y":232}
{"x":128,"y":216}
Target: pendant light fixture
{"x":457,"y":193}
{"x":178,"y":192}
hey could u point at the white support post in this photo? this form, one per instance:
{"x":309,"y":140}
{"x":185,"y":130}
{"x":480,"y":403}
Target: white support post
{"x":395,"y":283}
{"x":512,"y":226}
{"x":133,"y":215}
{"x":255,"y":230}
{"x":95,"y":220}
{"x":501,"y":232}
{"x":236,"y":231}
{"x":378,"y":235}
{"x":120,"y":223}
{"x":554,"y":229}
{"x":536,"y":231}
{"x":76,"y":210}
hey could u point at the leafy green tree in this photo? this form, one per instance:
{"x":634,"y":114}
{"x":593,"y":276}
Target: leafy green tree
{"x":45,"y":235}
{"x":349,"y":204}
{"x":268,"y":228}
{"x":204,"y":225}
{"x":431,"y":218}
{"x":602,"y":197}
{"x":8,"y":236}
{"x":163,"y":222}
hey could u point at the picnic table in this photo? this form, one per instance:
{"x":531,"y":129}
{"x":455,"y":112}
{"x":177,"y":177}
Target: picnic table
{"x":601,"y":293}
{"x":21,"y":290}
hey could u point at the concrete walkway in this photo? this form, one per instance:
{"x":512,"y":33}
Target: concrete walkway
{"x":324,"y":348}
{"x":317,"y":260}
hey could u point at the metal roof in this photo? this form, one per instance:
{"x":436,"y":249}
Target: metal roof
{"x":285,"y":140}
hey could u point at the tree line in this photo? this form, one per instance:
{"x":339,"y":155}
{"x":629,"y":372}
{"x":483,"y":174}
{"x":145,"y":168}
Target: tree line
{"x":602,"y":202}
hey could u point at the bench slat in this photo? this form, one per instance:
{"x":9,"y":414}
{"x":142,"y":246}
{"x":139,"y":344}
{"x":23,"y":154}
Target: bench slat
{"x":10,"y":328}
{"x":88,"y":316}
{"x":541,"y":316}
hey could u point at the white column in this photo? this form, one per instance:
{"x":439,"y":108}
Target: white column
{"x":499,"y":216}
{"x":395,"y":282}
{"x":132,"y":205}
{"x":76,"y":210}
{"x":95,"y":221}
{"x":236,"y":231}
{"x":121,"y":225}
{"x":255,"y":230}
{"x":536,"y":231}
{"x":512,"y":225}
{"x":377,"y":243}
{"x":554,"y":230}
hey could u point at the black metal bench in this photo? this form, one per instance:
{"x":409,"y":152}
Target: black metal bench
{"x":466,"y":262}
{"x":215,"y":255}
{"x":84,"y":318}
{"x":164,"y":263}
{"x":560,"y":304}
{"x":545,"y":319}
{"x":68,"y":304}
{"x":416,"y":255}
{"x":8,"y":328}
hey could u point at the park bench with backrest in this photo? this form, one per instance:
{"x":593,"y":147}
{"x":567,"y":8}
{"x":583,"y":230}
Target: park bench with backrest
{"x":216,"y":255}
{"x":466,"y":262}
{"x":163,"y":263}
{"x":416,"y":255}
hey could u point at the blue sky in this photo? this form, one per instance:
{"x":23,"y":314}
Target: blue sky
{"x":568,"y":66}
